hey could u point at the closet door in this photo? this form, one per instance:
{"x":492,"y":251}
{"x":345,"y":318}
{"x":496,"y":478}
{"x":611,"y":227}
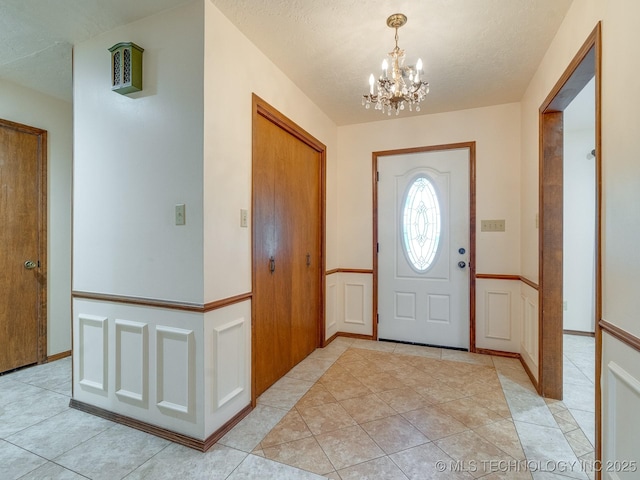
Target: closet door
{"x":287,"y":250}
{"x":271,"y":297}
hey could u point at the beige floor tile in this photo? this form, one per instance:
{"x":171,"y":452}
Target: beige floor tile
{"x":414,"y":377}
{"x":304,"y":453}
{"x":291,"y":427}
{"x":381,"y":381}
{"x":378,"y":469}
{"x":326,"y":418}
{"x":494,"y":400}
{"x":503,"y":435}
{"x":393,"y":434}
{"x":469,"y":412}
{"x":427,"y":462}
{"x":309,"y":370}
{"x":346,"y":388}
{"x":367,"y":408}
{"x":403,"y":399}
{"x":434,"y":423}
{"x":317,"y":395}
{"x":439,"y":393}
{"x":565,"y":420}
{"x":348,"y":446}
{"x":349,"y":356}
{"x":579,"y":442}
{"x":473,"y":450}
{"x":475,"y":358}
{"x":418,"y":350}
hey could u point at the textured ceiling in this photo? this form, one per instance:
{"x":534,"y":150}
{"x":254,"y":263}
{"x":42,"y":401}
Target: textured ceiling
{"x":476,"y":52}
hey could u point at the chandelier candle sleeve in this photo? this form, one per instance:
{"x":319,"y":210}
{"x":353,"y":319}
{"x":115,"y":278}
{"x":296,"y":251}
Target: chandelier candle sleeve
{"x":405,"y":86}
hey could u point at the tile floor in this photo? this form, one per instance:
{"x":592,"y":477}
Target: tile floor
{"x":356,"y":409}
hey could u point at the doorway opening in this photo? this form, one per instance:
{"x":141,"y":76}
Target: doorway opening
{"x":584,"y":68}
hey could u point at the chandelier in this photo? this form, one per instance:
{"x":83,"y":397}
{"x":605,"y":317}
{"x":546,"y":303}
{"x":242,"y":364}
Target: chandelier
{"x":400,"y":86}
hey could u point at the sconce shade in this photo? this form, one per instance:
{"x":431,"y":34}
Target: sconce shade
{"x":126,"y":67}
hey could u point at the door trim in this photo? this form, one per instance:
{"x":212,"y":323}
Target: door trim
{"x":41,"y":271}
{"x":472,"y":228}
{"x":585,"y":65}
{"x":260,"y":108}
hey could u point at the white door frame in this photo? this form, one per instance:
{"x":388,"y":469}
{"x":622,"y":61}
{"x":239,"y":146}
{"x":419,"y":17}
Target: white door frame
{"x":472,"y":228}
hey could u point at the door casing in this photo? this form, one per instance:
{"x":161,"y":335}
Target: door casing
{"x":585,"y":65}
{"x":472,"y":228}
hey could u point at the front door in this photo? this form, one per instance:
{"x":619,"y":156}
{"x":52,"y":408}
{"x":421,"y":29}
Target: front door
{"x":424,"y":247}
{"x":22,"y":245}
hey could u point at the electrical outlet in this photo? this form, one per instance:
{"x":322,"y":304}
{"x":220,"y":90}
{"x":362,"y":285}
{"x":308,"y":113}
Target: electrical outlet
{"x":492,"y":225}
{"x":244,"y":218}
{"x":180,"y":214}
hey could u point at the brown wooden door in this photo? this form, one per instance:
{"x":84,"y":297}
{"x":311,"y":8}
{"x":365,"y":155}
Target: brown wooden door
{"x":22,"y":239}
{"x":287,"y":246}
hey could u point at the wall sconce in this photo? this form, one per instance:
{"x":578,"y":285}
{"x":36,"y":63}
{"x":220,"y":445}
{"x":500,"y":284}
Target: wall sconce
{"x":126,"y":67}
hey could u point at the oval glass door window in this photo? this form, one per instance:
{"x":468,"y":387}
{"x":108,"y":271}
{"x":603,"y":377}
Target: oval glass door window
{"x":421,"y":224}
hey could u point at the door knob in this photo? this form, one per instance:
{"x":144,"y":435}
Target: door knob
{"x":272,"y":264}
{"x":29,"y":264}
{"x":308,"y":259}
{"x":461,"y":264}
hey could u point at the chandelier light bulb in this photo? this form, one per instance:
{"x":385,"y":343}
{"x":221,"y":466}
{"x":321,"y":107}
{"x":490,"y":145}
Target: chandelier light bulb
{"x":404,"y":87}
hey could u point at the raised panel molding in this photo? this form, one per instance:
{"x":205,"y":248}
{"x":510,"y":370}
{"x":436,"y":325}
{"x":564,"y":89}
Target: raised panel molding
{"x":132,"y":362}
{"x":332,"y":307}
{"x":498,"y":314}
{"x":623,"y":400}
{"x":93,"y":352}
{"x":229,"y":341}
{"x":175,"y":371}
{"x":354,"y":308}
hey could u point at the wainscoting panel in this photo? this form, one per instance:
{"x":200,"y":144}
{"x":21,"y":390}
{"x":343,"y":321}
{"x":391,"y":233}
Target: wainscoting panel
{"x":132,"y":362}
{"x":331,"y":306}
{"x":142,"y":362}
{"x":93,"y":346}
{"x":529,"y":335}
{"x":498,"y":314}
{"x":227,"y":364}
{"x":620,"y":407}
{"x":175,"y":371}
{"x":230,"y":363}
{"x":354,"y":307}
{"x":355,"y":303}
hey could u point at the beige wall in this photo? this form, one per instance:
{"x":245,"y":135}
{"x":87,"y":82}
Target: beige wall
{"x":19,"y":104}
{"x":227,"y":149}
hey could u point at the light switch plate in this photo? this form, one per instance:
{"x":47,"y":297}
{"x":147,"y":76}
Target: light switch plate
{"x":492,"y":225}
{"x":180,"y":214}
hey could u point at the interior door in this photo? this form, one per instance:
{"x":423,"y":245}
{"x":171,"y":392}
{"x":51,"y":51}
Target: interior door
{"x":22,"y":245}
{"x":287,"y":249}
{"x":423,"y":252}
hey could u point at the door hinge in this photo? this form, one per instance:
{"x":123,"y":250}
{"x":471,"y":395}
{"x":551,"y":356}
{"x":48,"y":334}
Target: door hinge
{"x":377,"y":247}
{"x":377,"y":318}
{"x":377,"y":176}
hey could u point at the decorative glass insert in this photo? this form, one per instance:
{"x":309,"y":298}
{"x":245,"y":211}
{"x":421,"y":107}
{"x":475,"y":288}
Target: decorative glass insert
{"x":421,"y":224}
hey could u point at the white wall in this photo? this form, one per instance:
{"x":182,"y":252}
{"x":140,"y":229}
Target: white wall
{"x":231,"y":76}
{"x":35,"y":109}
{"x":579,"y":228}
{"x":136,"y":157}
